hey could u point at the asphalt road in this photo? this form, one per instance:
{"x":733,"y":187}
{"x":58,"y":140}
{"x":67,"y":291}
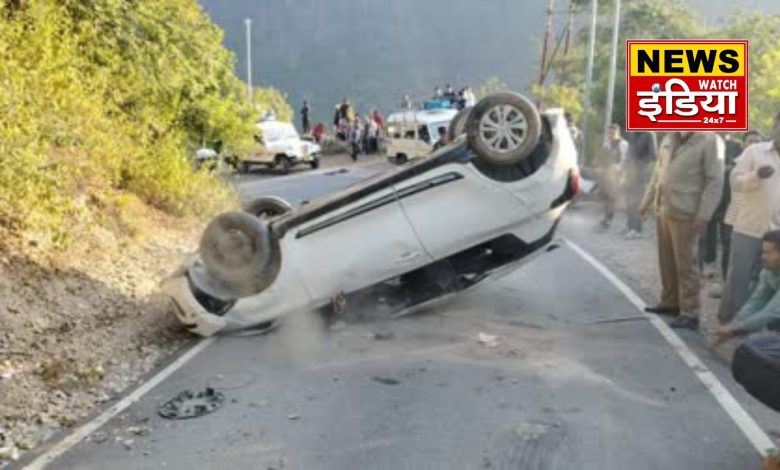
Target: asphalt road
{"x":562,"y":389}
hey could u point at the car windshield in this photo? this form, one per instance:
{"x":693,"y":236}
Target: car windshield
{"x":273,"y":134}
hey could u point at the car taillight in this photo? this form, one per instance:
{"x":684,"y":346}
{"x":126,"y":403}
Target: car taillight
{"x":575,"y":181}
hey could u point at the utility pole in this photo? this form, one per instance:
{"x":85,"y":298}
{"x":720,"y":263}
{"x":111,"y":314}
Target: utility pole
{"x":594,"y":6}
{"x":545,"y":45}
{"x":569,"y":28}
{"x":612,"y":65}
{"x":248,"y":23}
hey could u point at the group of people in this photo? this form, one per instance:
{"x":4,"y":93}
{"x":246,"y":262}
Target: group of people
{"x":709,"y":192}
{"x":706,"y":192}
{"x":362,"y":132}
{"x":463,"y":98}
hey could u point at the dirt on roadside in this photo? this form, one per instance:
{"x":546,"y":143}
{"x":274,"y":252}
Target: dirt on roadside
{"x":79,"y":327}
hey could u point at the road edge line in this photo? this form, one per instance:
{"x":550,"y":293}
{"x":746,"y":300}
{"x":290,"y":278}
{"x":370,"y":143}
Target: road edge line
{"x":752,"y":431}
{"x":85,"y":430}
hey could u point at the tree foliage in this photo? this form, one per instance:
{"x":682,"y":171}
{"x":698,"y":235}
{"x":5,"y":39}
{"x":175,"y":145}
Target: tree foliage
{"x":662,"y":19}
{"x":109,"y":96}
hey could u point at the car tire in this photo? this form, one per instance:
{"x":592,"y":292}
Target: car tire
{"x":401,"y":159}
{"x":285,"y":164}
{"x":315,"y":163}
{"x":268,"y":207}
{"x":239,"y":253}
{"x":503,"y":128}
{"x":458,"y":123}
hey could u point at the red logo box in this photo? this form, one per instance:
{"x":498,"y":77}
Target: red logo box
{"x":690,"y":85}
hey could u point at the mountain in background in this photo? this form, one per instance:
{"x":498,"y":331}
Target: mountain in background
{"x":374,"y":51}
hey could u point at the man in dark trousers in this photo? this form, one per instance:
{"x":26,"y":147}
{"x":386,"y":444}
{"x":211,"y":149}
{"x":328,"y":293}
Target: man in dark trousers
{"x":684,"y":192}
{"x":305,"y":122}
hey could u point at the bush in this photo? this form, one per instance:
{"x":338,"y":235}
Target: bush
{"x":102,"y":97}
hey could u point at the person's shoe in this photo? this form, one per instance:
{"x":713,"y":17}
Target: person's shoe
{"x":633,"y":235}
{"x":684,"y":323}
{"x":716,"y":291}
{"x":663,"y":310}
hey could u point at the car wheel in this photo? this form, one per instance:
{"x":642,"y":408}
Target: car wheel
{"x":239,"y":253}
{"x":401,"y":158}
{"x":267,"y":207}
{"x":458,"y":123}
{"x":503,"y":128}
{"x":284,"y":163}
{"x":315,"y":163}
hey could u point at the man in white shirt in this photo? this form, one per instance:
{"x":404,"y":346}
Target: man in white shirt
{"x":755,"y":186}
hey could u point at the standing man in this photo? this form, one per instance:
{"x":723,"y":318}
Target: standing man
{"x":684,"y":191}
{"x":305,"y":122}
{"x":356,"y":137}
{"x":732,"y":201}
{"x":755,"y":186}
{"x":612,"y":157}
{"x":638,"y":168}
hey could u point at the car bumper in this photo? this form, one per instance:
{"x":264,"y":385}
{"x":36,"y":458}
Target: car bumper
{"x":187,"y":309}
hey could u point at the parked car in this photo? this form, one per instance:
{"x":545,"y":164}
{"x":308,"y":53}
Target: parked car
{"x":206,"y":158}
{"x":280,"y":147}
{"x":412,"y":134}
{"x":478,"y":207}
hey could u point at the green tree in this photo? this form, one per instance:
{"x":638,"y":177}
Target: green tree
{"x":103,"y":97}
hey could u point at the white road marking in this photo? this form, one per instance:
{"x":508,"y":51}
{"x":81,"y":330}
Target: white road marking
{"x":752,"y":431}
{"x":85,"y":430}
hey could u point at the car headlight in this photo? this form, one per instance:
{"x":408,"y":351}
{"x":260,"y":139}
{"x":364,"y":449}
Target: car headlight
{"x":391,"y":130}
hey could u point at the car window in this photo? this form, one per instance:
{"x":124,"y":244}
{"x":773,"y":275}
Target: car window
{"x":273,"y":134}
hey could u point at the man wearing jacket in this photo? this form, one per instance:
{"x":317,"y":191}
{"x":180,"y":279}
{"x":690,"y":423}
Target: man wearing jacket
{"x":684,"y":191}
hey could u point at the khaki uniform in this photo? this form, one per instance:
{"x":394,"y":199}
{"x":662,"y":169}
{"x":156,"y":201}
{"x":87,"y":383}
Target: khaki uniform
{"x":686,"y":186}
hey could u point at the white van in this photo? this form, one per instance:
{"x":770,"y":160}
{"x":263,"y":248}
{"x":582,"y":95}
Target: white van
{"x":412,"y":134}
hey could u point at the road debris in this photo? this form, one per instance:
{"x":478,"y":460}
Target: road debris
{"x":533,"y":431}
{"x":383,"y":335}
{"x":187,"y":405}
{"x":141,"y":431}
{"x":293,"y":417}
{"x":491,"y":341}
{"x":386,"y":380}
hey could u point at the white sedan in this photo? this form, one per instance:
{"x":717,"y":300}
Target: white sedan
{"x":475,"y":208}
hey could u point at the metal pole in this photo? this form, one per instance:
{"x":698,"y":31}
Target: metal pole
{"x":545,"y":44}
{"x":612,"y":65}
{"x":248,"y":23}
{"x":569,"y":28}
{"x":594,"y":6}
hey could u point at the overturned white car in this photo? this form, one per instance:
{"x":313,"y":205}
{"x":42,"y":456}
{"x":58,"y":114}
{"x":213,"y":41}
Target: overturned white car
{"x":475,"y":208}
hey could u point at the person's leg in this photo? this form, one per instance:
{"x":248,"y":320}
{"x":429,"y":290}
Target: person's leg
{"x":725,"y":243}
{"x":684,"y":243}
{"x":710,"y":243}
{"x":745,"y":253}
{"x":756,"y":366}
{"x":670,"y":296}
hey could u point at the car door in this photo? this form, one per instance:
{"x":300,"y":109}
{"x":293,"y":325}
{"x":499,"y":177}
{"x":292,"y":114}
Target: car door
{"x":362,"y":243}
{"x":452,"y":208}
